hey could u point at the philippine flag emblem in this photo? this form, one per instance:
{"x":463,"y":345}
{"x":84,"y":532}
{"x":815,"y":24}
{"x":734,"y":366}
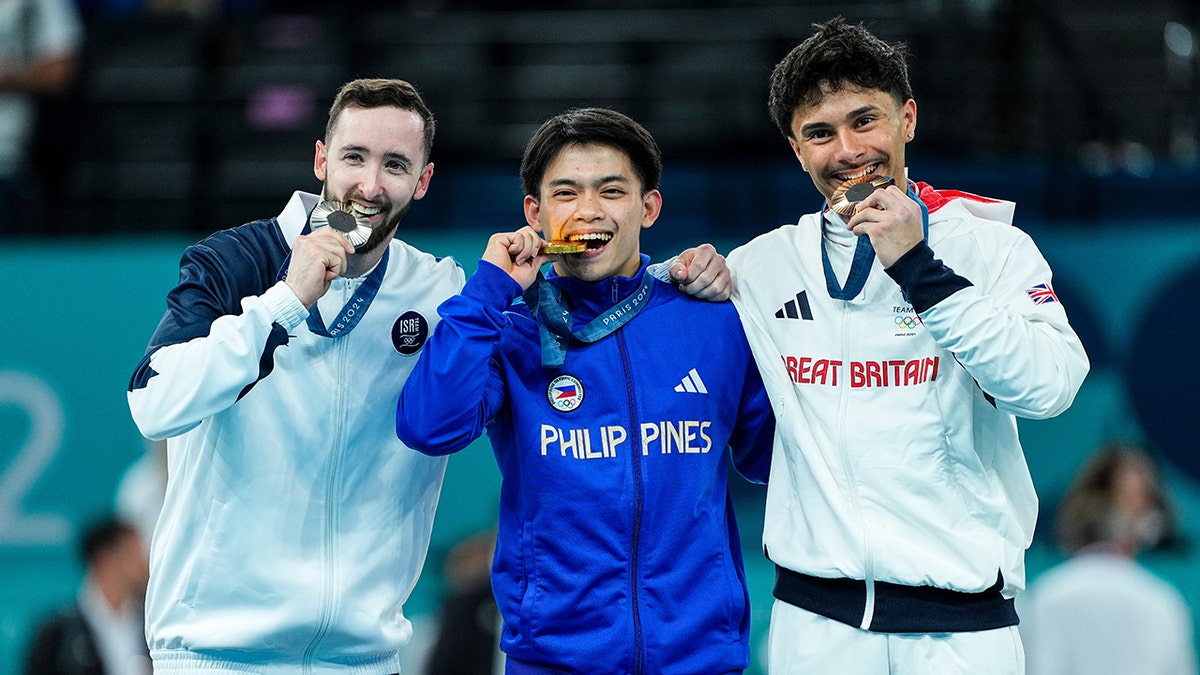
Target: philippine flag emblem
{"x":565,"y":393}
{"x":1041,"y":294}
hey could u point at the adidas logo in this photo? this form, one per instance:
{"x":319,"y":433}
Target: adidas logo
{"x":692,"y":383}
{"x":796,"y":309}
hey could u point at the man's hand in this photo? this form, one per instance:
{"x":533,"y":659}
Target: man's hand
{"x":892,"y":220}
{"x":518,"y":253}
{"x":701,"y":272}
{"x":317,"y":259}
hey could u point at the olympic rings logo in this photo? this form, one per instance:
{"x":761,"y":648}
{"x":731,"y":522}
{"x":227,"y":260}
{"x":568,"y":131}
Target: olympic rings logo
{"x":907,"y":322}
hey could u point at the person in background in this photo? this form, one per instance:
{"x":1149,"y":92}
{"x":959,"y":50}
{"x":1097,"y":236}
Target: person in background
{"x":468,"y":633}
{"x":613,"y":403}
{"x":295,"y":523}
{"x":101,"y":633}
{"x":1101,"y":612}
{"x":40,"y":46}
{"x":900,"y":331}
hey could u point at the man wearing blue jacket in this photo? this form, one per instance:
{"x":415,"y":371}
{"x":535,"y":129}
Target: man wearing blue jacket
{"x":610,"y":398}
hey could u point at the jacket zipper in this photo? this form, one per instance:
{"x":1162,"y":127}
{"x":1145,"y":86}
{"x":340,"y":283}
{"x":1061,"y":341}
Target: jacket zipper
{"x":328,"y":538}
{"x":851,"y":484}
{"x":635,"y":457}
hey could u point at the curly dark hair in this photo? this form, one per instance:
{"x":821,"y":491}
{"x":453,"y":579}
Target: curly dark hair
{"x":836,"y":56}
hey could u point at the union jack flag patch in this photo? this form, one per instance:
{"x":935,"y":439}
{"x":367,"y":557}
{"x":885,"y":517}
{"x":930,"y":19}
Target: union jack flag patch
{"x":1041,"y":294}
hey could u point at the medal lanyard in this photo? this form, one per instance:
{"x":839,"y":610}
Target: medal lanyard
{"x":864,"y":257}
{"x":354,"y":309}
{"x":555,"y":322}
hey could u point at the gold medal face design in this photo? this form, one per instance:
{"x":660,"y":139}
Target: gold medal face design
{"x":849,"y":194}
{"x":564,"y":247}
{"x":338,"y":216}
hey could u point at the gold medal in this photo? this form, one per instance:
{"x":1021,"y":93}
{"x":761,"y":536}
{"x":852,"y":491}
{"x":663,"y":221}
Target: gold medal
{"x":559,"y":244}
{"x":564,"y":247}
{"x":338,"y":216}
{"x":849,"y":194}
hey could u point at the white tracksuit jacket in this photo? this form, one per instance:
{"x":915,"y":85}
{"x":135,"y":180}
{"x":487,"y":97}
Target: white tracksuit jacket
{"x":295,"y":523}
{"x":896,"y":453}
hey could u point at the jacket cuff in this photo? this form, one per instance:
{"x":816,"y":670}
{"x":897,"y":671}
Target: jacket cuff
{"x":492,"y":286}
{"x":284,"y":306}
{"x":924,"y":279}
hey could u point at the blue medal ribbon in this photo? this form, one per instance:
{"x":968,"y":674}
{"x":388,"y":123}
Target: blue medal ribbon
{"x":864,"y":257}
{"x":354,"y":309}
{"x":554,"y":320}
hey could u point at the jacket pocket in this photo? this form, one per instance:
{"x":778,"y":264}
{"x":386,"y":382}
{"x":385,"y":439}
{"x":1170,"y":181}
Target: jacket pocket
{"x":204,"y":551}
{"x":528,"y":582}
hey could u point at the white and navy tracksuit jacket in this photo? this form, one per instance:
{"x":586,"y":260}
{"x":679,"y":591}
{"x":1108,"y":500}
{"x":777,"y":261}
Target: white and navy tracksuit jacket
{"x":899,"y":499}
{"x":295,"y":523}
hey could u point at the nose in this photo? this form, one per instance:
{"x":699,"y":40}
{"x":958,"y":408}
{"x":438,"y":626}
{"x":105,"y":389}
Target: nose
{"x":849,"y":148}
{"x":369,"y":183}
{"x":588,"y":208}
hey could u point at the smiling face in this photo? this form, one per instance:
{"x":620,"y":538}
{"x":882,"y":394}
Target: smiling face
{"x":850,"y":133}
{"x":374,"y":163}
{"x":590,"y":193}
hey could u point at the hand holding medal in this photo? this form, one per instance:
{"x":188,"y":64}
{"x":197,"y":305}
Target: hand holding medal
{"x":338,"y":215}
{"x":848,"y":195}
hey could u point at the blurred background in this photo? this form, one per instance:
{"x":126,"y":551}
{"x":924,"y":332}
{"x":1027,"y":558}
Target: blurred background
{"x":188,"y":117}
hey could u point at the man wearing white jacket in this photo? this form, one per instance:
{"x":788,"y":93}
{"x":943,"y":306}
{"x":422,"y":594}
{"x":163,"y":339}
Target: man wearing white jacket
{"x":900,"y":331}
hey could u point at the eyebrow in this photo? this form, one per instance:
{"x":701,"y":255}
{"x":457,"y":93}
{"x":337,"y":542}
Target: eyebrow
{"x":397,"y":156}
{"x":853,"y":114}
{"x":611,"y":178}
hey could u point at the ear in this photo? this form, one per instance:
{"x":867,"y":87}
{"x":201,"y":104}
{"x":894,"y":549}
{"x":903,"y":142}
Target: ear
{"x":533,"y":212}
{"x":651,"y":207}
{"x":319,"y":161}
{"x":423,"y":181}
{"x":796,"y":149}
{"x":909,"y":114}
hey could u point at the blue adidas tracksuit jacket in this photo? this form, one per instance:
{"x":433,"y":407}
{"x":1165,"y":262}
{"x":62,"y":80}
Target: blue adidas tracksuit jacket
{"x":617,"y":549}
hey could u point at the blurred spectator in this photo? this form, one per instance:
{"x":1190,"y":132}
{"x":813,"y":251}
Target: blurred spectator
{"x":101,"y":632}
{"x":1101,"y":611}
{"x":40,"y":41}
{"x":468,"y":635}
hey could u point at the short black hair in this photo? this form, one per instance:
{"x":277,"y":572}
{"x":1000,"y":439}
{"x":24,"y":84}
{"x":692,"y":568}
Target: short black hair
{"x":837,"y":55}
{"x":102,"y":536}
{"x":583,"y":126}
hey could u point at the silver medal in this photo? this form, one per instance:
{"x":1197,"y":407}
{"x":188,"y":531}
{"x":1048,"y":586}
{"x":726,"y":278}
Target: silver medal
{"x":338,"y":216}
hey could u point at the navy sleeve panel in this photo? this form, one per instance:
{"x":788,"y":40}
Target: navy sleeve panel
{"x":214,"y":275}
{"x":925,"y":280}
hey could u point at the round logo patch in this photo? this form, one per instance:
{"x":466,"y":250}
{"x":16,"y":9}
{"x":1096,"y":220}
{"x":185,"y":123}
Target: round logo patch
{"x":410,"y":332}
{"x":565,"y":393}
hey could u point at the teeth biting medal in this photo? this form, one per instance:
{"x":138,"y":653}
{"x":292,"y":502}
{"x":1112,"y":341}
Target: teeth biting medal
{"x":846,"y":198}
{"x":339,"y":216}
{"x":561,"y":245}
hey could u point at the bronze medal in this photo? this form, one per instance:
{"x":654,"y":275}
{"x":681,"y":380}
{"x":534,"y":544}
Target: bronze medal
{"x":849,"y":194}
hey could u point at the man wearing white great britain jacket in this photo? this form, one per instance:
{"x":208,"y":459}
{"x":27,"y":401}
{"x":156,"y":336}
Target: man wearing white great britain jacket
{"x":898,"y":344}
